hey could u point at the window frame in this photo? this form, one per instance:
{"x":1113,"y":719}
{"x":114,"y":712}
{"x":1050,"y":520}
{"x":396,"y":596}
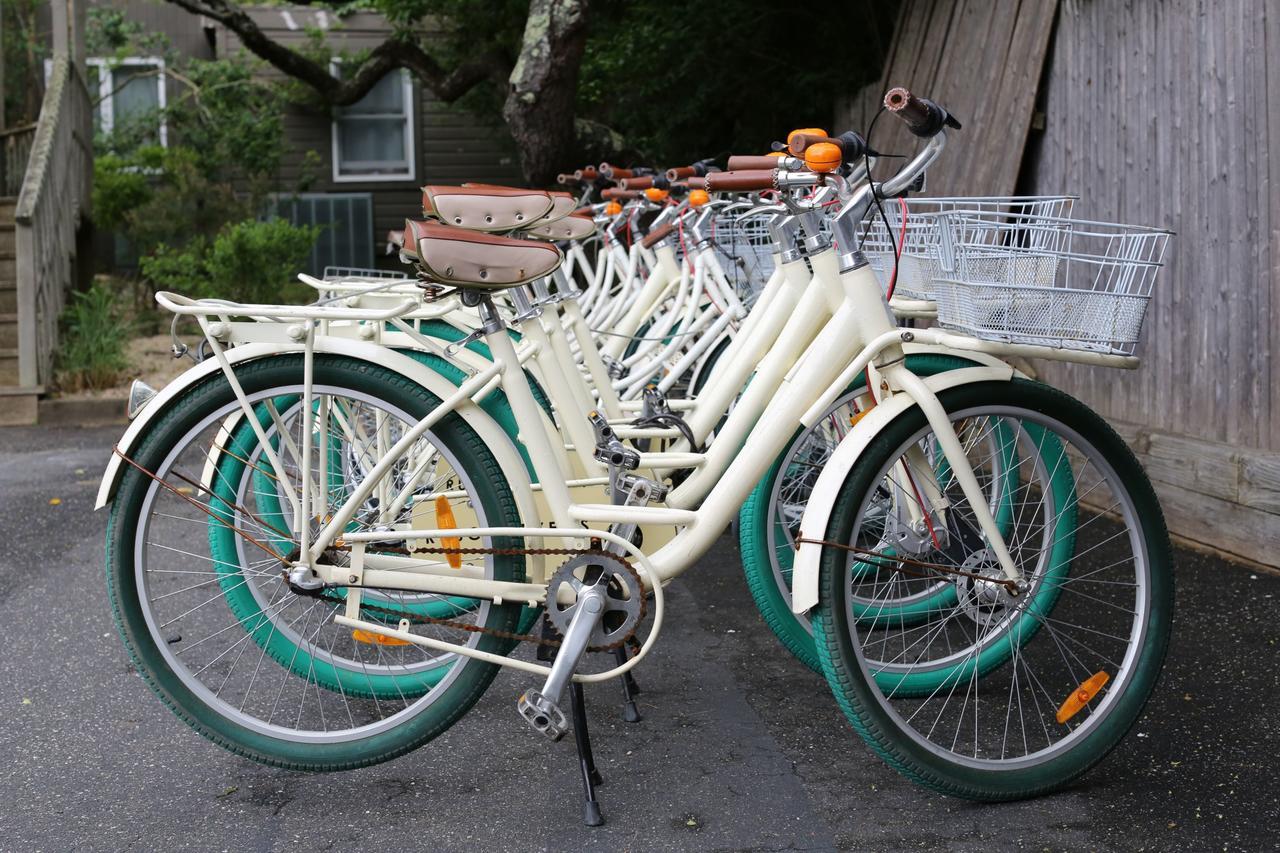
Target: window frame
{"x":410,"y":136}
{"x":106,"y":88}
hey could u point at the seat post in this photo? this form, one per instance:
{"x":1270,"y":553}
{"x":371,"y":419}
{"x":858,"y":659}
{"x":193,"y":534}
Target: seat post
{"x":527,"y":413}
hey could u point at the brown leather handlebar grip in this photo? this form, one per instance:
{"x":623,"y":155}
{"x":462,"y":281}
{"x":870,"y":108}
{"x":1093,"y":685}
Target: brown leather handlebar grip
{"x":751,"y":163}
{"x":636,"y":183}
{"x":680,"y":172}
{"x":562,"y":178}
{"x":584,"y":211}
{"x":657,"y":234}
{"x":800,"y":141}
{"x":618,"y":194}
{"x":742,"y":181}
{"x":696,"y":183}
{"x":587,"y":174}
{"x":613,"y":173}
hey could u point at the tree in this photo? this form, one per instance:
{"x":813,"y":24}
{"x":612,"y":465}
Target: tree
{"x":581,"y":80}
{"x":540,"y":75}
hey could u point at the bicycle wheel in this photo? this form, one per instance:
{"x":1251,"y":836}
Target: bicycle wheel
{"x":221,"y":637}
{"x":1079,"y":661}
{"x":770,"y":518}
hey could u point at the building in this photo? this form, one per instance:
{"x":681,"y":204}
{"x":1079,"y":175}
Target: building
{"x":370,"y":158}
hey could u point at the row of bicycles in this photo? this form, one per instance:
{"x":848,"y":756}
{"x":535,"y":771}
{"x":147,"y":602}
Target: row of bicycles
{"x":330,"y":533}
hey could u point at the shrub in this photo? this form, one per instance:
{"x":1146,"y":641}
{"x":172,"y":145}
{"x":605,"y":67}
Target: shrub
{"x":95,"y":329}
{"x":250,"y":261}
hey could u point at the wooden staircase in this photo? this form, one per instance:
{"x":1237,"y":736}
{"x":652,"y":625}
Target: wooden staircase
{"x":40,"y":219}
{"x":17,"y":404}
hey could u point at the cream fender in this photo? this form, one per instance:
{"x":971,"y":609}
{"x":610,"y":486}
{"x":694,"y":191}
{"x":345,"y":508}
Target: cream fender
{"x":804,"y":572}
{"x":489,"y":431}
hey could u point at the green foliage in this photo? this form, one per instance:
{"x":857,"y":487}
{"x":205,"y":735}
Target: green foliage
{"x":250,"y":261}
{"x":724,"y":76}
{"x":25,"y":48}
{"x":109,"y":34}
{"x":119,"y":187}
{"x":95,"y":330}
{"x":256,"y":261}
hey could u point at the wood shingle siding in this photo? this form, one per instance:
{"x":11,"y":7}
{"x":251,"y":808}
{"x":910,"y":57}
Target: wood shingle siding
{"x":1154,"y":113}
{"x":1169,"y":114}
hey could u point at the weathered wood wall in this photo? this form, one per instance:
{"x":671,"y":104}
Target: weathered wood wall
{"x":1168,"y":113}
{"x":981,"y":58}
{"x":1155,"y":112}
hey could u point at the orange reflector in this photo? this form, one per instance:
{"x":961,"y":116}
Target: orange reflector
{"x":446,"y":521}
{"x":697,"y":198}
{"x":655,"y":194}
{"x":368,"y":637}
{"x":1082,"y":696}
{"x":612,"y":208}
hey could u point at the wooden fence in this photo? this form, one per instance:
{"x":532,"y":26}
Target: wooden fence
{"x":55,"y":194}
{"x":1157,"y":113}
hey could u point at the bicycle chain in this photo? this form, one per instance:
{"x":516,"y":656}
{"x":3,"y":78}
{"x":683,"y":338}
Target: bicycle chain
{"x":418,"y":619}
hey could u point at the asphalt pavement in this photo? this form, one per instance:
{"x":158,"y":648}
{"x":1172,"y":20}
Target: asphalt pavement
{"x":741,"y":748}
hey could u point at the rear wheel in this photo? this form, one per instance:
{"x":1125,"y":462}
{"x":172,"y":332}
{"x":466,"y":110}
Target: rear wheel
{"x":217,"y":632}
{"x":1080,"y":646}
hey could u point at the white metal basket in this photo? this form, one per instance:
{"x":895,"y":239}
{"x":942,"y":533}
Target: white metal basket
{"x":916,"y":224}
{"x":356,"y":275}
{"x":1049,"y":281}
{"x":745,"y":250}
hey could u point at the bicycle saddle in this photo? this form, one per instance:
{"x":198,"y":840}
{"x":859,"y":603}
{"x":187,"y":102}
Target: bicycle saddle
{"x":485,"y":208}
{"x":469,"y":259}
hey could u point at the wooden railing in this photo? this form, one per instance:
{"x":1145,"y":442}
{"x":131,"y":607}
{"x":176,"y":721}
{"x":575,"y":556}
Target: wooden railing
{"x":15,"y":153}
{"x":54,"y":197}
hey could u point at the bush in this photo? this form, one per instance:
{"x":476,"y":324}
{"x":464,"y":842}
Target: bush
{"x":251,"y":261}
{"x":95,"y":329}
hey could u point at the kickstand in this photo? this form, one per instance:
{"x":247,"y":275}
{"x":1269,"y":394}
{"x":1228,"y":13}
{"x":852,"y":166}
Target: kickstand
{"x":586,"y":761}
{"x":630,"y":713}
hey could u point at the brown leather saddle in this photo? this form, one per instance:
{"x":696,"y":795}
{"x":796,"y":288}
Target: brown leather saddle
{"x":475,"y":259}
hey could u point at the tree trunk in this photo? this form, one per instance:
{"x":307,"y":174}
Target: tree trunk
{"x":539,"y":109}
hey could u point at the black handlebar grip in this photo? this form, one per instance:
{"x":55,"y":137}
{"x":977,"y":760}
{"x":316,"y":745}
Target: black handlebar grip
{"x":922,"y":116}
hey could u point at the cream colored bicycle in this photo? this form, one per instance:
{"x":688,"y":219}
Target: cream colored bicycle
{"x":359,"y":596}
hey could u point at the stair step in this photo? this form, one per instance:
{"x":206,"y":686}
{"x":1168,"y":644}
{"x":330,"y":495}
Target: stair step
{"x":8,"y":330}
{"x":8,"y":297}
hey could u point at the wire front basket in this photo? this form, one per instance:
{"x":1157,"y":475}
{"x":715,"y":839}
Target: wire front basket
{"x":745,"y":250}
{"x":917,"y":225}
{"x":1048,"y":281}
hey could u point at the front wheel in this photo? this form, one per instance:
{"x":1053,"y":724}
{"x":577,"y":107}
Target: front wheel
{"x":1080,"y":646}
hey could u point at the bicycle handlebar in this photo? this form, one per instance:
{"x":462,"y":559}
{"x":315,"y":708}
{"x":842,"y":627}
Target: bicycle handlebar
{"x":922,"y":116}
{"x":751,"y":162}
{"x":742,"y":181}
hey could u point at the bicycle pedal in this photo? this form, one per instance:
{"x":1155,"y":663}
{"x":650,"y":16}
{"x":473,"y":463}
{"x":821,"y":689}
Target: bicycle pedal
{"x":542,"y":715}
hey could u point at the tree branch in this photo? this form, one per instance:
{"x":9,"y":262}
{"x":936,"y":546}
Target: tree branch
{"x":395,"y":52}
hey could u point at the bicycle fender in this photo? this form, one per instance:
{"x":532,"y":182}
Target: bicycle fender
{"x":804,"y":572}
{"x":494,"y":437}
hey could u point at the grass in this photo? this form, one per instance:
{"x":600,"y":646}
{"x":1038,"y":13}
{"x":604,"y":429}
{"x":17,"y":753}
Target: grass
{"x":96,"y":328}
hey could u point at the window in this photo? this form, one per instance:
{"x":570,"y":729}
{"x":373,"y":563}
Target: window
{"x":373,"y":138}
{"x":346,"y":238}
{"x":130,"y":94}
